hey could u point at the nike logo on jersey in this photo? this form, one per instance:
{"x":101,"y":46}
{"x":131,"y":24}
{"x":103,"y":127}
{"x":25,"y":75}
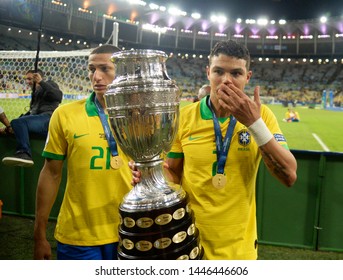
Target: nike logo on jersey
{"x":81,"y":135}
{"x":191,"y":138}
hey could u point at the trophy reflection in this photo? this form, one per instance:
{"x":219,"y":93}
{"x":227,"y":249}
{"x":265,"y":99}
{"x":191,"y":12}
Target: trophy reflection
{"x":143,"y":107}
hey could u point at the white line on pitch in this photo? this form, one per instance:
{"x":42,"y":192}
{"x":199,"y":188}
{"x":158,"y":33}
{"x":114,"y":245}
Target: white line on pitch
{"x":321,"y":143}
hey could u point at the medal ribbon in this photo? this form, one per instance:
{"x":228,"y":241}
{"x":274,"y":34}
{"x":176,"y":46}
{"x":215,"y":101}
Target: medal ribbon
{"x":110,"y":139}
{"x":222,"y":147}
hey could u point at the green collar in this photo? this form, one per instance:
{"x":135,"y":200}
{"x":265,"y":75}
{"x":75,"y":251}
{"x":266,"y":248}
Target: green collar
{"x":90,"y":106}
{"x":205,"y":111}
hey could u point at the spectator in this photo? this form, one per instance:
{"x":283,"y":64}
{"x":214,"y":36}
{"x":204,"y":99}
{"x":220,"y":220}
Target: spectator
{"x":221,"y":180}
{"x":204,"y":91}
{"x":3,"y":119}
{"x":87,"y":225}
{"x":46,"y":97}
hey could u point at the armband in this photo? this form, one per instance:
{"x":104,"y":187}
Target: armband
{"x":260,"y":132}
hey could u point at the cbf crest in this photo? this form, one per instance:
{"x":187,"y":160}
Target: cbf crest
{"x":244,"y":137}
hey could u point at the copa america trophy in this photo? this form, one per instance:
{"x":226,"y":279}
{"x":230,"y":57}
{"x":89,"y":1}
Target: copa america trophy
{"x":143,"y":107}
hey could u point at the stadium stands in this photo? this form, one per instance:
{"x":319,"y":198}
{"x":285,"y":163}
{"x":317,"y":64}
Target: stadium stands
{"x":294,"y":81}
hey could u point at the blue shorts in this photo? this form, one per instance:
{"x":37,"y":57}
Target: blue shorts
{"x":101,"y":252}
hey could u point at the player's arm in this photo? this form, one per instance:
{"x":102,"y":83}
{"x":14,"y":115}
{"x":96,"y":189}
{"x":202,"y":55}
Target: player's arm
{"x":47,"y":189}
{"x":173,"y":168}
{"x":280,"y":162}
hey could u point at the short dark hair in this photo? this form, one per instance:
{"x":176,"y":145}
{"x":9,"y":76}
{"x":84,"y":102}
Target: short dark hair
{"x":40,"y":72}
{"x":107,"y":48}
{"x":231,"y":48}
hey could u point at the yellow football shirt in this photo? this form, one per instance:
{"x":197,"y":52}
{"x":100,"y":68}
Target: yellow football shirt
{"x":89,"y":213}
{"x":226,"y":218}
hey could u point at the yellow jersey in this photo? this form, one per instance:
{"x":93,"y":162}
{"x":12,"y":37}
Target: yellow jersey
{"x":226,"y":217}
{"x":89,"y":213}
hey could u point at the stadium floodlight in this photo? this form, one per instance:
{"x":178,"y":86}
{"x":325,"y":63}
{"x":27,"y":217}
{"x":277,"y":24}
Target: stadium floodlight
{"x":154,"y":28}
{"x":137,"y":2}
{"x":250,"y":21}
{"x":262,"y":21}
{"x":176,"y":12}
{"x":303,"y":37}
{"x":239,"y":20}
{"x":153,"y":6}
{"x":196,"y":15}
{"x":282,"y":21}
{"x":323,"y":19}
{"x":219,"y":19}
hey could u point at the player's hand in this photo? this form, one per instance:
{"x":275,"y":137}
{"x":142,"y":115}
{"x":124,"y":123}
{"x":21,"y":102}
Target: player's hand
{"x":234,"y":100}
{"x":42,"y":250}
{"x":136,"y":174}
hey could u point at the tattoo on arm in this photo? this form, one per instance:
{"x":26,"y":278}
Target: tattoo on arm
{"x":274,"y":167}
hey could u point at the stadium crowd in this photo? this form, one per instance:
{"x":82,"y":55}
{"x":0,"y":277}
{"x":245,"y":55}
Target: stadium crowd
{"x":285,"y":82}
{"x":280,"y":82}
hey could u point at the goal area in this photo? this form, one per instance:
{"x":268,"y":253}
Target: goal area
{"x":67,"y":68}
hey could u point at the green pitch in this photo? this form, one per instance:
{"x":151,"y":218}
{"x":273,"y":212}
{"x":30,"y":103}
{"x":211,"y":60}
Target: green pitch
{"x":326,"y":125}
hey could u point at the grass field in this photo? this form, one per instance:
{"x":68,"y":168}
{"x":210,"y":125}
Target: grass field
{"x":16,"y":243}
{"x":326,"y":124}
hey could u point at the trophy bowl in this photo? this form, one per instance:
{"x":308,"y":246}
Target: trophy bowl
{"x":143,"y":107}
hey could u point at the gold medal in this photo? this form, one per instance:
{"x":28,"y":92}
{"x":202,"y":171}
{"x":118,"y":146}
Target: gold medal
{"x":116,"y":162}
{"x":219,"y":181}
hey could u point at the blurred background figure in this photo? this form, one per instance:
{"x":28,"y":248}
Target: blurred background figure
{"x":45,"y":98}
{"x":204,"y":91}
{"x":4,"y":120}
{"x":291,"y":116}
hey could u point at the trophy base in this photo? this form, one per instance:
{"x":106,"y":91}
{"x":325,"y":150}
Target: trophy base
{"x":167,"y":233}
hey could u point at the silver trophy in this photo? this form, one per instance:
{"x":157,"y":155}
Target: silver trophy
{"x":143,"y":107}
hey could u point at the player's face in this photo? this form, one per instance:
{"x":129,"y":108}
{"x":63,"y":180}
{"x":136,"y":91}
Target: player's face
{"x":100,"y":72}
{"x":225,"y":70}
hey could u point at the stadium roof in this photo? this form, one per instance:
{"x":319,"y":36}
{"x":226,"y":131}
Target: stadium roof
{"x":145,"y":25}
{"x":273,"y":9}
